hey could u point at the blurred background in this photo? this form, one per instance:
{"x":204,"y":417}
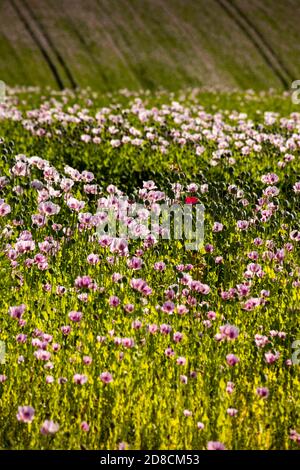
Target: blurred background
{"x":114,"y":44}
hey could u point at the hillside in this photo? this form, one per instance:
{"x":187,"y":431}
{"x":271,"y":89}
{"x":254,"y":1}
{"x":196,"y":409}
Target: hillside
{"x":112,"y":44}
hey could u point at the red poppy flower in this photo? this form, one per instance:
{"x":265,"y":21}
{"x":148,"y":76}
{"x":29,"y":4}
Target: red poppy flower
{"x":191,"y":200}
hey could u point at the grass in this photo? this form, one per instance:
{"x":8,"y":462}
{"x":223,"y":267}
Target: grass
{"x":149,"y":44}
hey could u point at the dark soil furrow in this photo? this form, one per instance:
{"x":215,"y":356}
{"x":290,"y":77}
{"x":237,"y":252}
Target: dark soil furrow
{"x":56,"y":52}
{"x":257,"y":40}
{"x":39,"y":44}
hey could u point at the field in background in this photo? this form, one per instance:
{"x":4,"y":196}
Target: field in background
{"x":112,"y":44}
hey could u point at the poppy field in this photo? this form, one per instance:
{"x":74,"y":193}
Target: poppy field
{"x":136,"y":342}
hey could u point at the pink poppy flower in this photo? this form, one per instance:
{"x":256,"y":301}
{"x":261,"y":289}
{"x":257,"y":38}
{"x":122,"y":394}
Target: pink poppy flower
{"x":25,"y":414}
{"x":232,"y":360}
{"x":215,"y":445}
{"x":49,"y":427}
{"x":106,"y":377}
